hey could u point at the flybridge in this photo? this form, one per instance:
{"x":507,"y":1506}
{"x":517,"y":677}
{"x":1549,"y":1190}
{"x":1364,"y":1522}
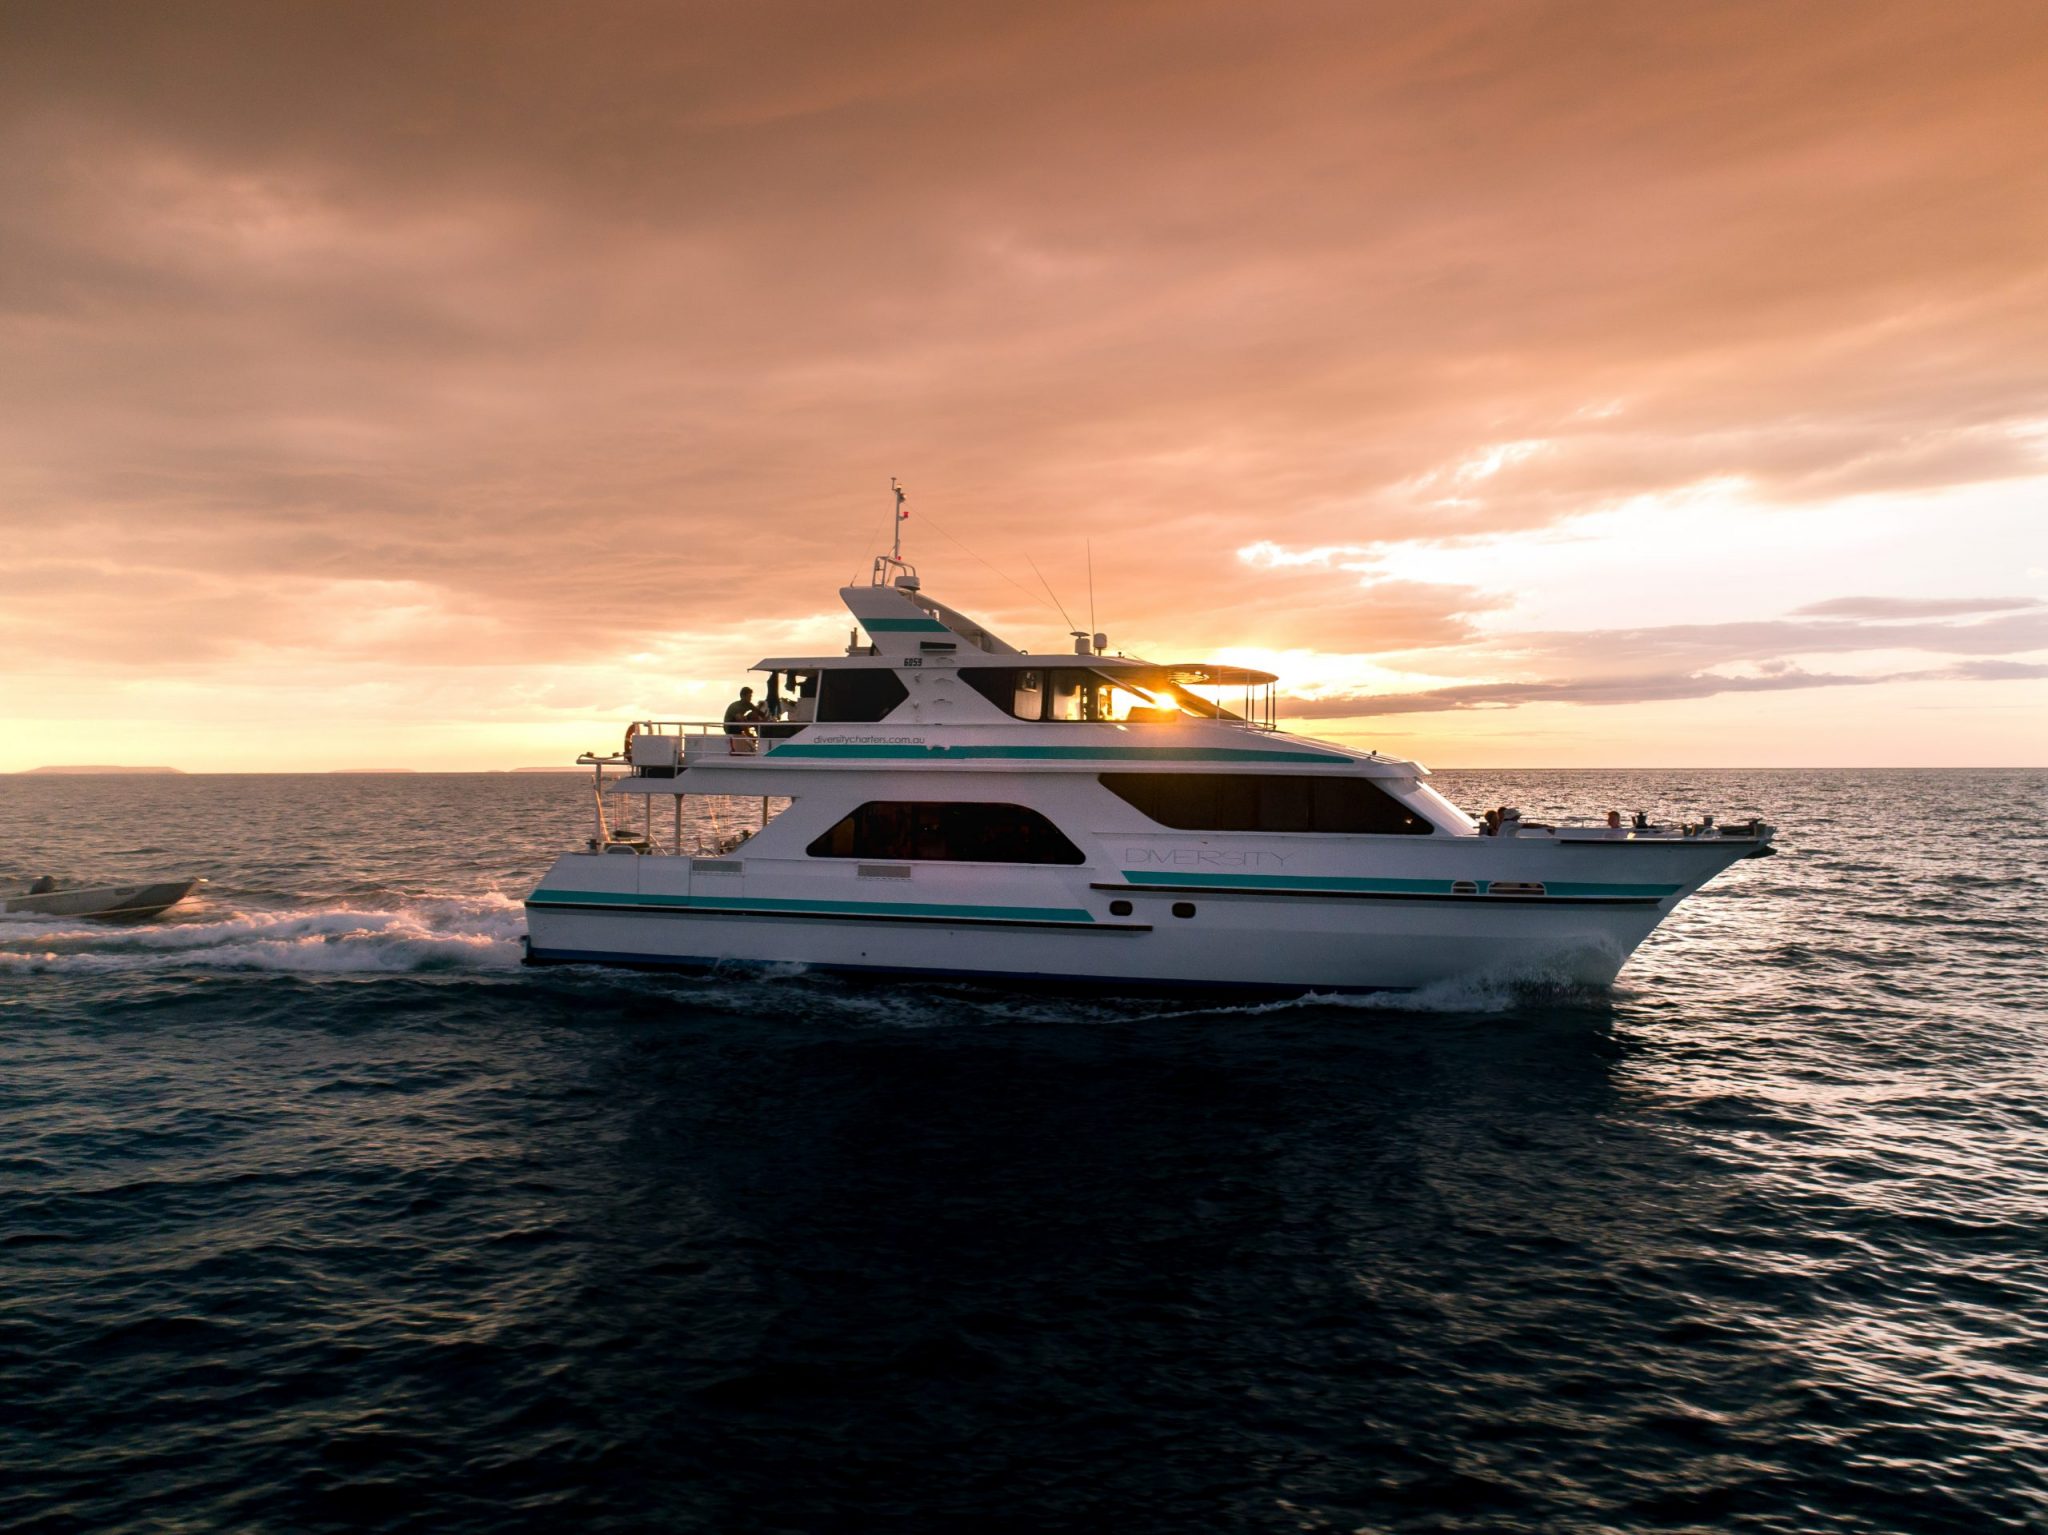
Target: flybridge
{"x":911,"y":630}
{"x":924,"y":664}
{"x":901,"y":621}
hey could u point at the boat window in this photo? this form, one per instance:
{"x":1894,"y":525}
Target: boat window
{"x":1065,"y":696}
{"x":855,"y":695}
{"x":1074,"y":694}
{"x":948,"y":832}
{"x":1018,"y":692}
{"x":1265,"y":802}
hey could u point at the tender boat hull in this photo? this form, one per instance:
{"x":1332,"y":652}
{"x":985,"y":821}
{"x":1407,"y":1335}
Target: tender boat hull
{"x":106,"y":902}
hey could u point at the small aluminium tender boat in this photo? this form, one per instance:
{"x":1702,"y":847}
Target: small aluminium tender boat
{"x":124,"y":902}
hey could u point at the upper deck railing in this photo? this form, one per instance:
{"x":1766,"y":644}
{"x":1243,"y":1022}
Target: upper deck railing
{"x":733,"y":738}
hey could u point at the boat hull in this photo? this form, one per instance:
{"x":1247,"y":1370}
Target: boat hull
{"x":112,"y":903}
{"x":1121,"y":929}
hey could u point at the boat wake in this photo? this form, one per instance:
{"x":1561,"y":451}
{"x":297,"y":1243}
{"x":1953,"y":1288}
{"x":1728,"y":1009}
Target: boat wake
{"x":470,"y":932}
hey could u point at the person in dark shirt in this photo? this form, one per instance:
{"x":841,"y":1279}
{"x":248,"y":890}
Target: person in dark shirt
{"x":741,"y":714}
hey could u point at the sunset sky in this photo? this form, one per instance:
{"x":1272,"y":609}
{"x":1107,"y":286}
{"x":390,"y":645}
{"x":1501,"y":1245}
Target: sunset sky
{"x":440,"y":385}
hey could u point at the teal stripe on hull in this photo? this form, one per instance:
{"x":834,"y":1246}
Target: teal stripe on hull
{"x":1047,"y":753}
{"x":904,"y":626}
{"x":1567,"y":887}
{"x":766,"y":904}
{"x":1383,"y":886}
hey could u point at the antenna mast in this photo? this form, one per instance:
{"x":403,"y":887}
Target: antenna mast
{"x":906,"y":575}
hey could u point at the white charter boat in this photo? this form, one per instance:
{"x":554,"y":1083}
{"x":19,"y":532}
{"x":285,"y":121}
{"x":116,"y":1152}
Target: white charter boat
{"x":935,"y":802}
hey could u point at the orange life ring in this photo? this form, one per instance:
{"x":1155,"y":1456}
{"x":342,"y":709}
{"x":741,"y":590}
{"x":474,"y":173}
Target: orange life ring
{"x":632,"y":730}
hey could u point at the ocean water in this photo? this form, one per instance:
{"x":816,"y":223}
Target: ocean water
{"x":318,"y":1212}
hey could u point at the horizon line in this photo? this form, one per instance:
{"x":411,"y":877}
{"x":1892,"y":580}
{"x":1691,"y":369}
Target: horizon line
{"x":113,"y":771}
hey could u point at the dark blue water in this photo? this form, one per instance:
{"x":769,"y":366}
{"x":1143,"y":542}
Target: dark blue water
{"x":316,"y":1212}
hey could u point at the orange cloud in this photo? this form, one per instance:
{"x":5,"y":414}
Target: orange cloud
{"x":429,"y":343}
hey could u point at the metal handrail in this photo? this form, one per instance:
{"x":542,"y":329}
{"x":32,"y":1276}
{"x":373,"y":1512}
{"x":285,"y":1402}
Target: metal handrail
{"x":695,"y":727}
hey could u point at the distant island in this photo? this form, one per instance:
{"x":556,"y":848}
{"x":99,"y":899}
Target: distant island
{"x":358,"y":772}
{"x":96,"y":767}
{"x":546,"y":770}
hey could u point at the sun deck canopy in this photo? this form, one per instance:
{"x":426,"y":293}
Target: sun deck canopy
{"x":1203,"y":674}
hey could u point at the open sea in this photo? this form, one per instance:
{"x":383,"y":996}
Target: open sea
{"x":318,"y":1212}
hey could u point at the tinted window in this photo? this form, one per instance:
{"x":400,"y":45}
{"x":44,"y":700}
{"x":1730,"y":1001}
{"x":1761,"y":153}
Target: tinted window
{"x":1265,"y":802}
{"x":1069,"y":695}
{"x":1064,"y":693}
{"x":1018,"y":692}
{"x":928,"y":829}
{"x":859,"y":694}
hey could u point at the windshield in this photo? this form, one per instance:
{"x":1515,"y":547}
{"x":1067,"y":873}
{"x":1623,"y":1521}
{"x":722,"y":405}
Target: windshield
{"x":1074,"y":694}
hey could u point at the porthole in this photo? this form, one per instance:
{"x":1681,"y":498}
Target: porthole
{"x":1183,"y":908}
{"x":1119,"y":908}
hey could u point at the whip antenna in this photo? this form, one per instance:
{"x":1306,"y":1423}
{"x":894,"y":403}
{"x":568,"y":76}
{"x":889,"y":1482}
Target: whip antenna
{"x":1028,"y":560}
{"x":1090,"y":547}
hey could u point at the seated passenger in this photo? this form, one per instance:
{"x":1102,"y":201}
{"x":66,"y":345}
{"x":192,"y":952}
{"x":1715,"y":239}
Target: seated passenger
{"x":742,"y":713}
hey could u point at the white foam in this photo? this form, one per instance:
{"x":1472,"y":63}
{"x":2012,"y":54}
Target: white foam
{"x":456,"y":932}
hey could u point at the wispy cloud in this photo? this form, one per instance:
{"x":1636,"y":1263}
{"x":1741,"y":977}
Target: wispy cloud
{"x":1637,"y":688}
{"x":1614,"y":671}
{"x":1912,"y":607}
{"x":1765,"y":639}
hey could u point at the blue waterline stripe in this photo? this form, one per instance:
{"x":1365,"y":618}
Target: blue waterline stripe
{"x":1095,"y":984}
{"x":628,"y":898}
{"x":1051,"y":753}
{"x":1385,"y":886}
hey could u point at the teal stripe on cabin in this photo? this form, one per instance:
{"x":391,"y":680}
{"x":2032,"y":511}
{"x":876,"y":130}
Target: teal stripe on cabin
{"x":1049,"y":753}
{"x":1382,"y":886}
{"x":765,"y":904}
{"x":904,"y":626}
